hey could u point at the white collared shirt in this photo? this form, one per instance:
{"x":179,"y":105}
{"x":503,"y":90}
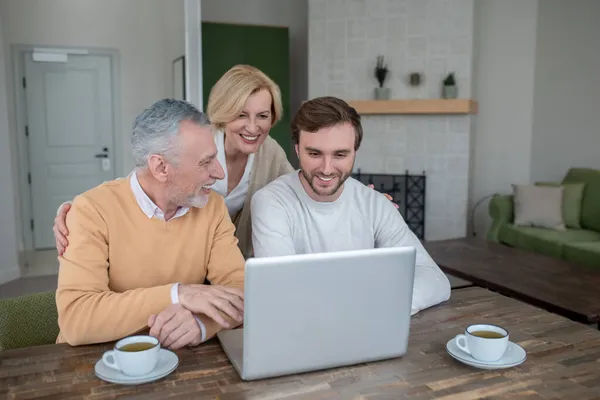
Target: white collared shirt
{"x":234,"y":200}
{"x":147,"y":205}
{"x":153,"y":211}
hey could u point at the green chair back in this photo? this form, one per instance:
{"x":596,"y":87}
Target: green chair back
{"x":28,"y":321}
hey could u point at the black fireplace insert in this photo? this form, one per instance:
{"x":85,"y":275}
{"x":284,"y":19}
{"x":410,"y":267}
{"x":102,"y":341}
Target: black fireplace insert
{"x":407,"y":190}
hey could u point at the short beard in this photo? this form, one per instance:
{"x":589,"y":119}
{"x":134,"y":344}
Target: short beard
{"x":319,"y":192}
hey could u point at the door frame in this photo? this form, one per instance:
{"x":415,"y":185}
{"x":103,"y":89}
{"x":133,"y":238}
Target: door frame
{"x":193,"y":53}
{"x":26,"y":202}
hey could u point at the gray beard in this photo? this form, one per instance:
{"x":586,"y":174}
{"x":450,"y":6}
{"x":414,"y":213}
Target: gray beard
{"x":188,"y":201}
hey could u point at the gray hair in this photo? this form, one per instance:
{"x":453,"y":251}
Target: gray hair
{"x":155,"y":129}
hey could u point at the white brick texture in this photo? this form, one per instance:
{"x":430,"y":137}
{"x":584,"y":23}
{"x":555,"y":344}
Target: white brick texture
{"x":433,"y":37}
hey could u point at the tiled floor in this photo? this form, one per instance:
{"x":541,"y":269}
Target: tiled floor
{"x":25,"y":286}
{"x":41,"y":263}
{"x":40,"y":275}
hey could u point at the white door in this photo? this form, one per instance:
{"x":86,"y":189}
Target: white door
{"x":71,"y":133}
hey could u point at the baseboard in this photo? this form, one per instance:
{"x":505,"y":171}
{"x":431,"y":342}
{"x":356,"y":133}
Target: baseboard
{"x":9,"y":274}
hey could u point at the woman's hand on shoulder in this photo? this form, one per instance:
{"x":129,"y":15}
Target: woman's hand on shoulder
{"x":387,"y":196}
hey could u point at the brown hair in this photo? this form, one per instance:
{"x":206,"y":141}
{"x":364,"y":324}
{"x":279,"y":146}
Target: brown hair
{"x":324,"y":112}
{"x":228,"y":96}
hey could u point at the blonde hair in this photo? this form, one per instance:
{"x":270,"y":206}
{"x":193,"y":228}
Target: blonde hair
{"x":228,"y":96}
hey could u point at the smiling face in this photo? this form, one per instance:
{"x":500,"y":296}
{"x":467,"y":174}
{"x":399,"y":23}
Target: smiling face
{"x":250,"y":129}
{"x":197,"y":168}
{"x":326,"y":160}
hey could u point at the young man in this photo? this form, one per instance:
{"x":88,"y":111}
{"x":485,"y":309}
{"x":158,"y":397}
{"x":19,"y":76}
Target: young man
{"x":141,"y":247}
{"x":321,"y":208}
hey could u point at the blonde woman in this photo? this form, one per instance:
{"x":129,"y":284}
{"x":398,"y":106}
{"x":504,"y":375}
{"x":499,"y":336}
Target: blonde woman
{"x":243,"y":106}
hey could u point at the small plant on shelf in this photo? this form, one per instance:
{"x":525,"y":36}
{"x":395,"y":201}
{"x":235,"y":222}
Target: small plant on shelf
{"x":450,"y":81}
{"x":449,"y":88}
{"x":381,"y":72}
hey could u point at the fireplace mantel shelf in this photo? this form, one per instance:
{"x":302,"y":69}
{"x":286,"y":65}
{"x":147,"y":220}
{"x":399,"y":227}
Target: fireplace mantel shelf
{"x":415,"y":106}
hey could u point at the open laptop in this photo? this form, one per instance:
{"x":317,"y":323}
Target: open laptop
{"x":317,"y":311}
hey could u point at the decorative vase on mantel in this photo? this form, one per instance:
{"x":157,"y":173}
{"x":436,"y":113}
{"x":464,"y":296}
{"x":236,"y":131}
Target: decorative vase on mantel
{"x":449,"y":88}
{"x":381,"y":71}
{"x":382,"y":93}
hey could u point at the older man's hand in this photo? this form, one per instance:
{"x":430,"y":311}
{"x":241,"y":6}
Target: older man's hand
{"x":212,"y":300}
{"x":175,"y":327}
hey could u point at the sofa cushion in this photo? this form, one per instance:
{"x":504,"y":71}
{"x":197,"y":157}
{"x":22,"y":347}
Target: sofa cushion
{"x":539,"y":206}
{"x":590,"y":212}
{"x":586,"y":253}
{"x":571,"y":206}
{"x":545,"y":241}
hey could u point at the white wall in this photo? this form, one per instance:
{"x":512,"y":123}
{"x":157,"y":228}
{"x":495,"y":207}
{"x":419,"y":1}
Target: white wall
{"x":566,"y":117}
{"x":9,"y":267}
{"x":505,"y":43}
{"x":290,"y":13}
{"x":147,"y":33}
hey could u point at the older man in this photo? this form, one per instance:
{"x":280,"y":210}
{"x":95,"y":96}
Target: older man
{"x":320,"y":208}
{"x":141,"y":247}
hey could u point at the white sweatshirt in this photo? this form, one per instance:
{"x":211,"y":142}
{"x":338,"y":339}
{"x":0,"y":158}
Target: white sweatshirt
{"x":285,"y":221}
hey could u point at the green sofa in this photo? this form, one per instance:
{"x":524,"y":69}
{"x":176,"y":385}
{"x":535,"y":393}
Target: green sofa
{"x":580,"y":244}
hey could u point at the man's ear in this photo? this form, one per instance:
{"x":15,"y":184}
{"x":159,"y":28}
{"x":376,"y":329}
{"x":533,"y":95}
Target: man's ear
{"x":158,"y":167}
{"x":297,"y":150}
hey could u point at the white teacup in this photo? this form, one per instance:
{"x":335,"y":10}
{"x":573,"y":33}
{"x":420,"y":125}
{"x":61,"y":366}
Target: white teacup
{"x":134,"y":355}
{"x":483,"y":342}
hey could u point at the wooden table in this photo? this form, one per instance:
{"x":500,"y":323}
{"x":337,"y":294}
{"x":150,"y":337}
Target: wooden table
{"x":562,"y":363}
{"x":556,"y":285}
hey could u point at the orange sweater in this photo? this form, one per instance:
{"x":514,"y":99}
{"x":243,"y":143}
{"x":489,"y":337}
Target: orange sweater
{"x":120,"y":265}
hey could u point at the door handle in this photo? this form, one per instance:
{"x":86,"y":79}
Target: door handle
{"x":104,"y":154}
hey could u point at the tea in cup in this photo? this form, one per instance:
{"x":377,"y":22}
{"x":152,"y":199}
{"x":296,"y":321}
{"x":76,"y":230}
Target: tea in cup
{"x":483,"y":342}
{"x":134,"y":355}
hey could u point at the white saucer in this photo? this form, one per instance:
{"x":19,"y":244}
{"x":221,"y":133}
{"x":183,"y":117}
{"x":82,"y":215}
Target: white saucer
{"x":514,"y":355}
{"x":167,"y":363}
